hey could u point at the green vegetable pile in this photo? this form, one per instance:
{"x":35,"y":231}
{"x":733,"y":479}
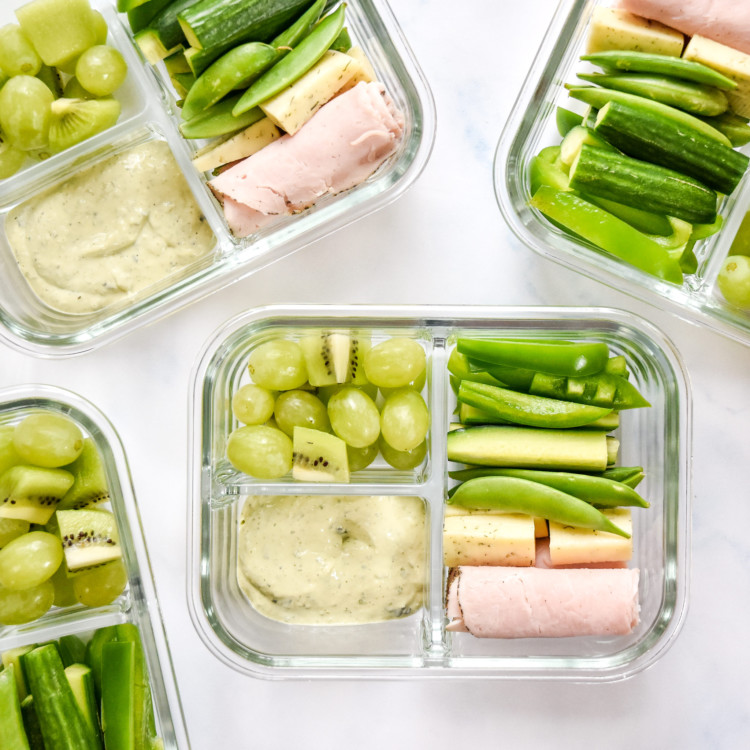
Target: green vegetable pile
{"x":534,"y":421}
{"x":641,"y":172}
{"x":225,"y":57}
{"x":72,"y":695}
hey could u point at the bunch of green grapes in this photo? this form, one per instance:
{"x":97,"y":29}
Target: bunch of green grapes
{"x":375,"y":408}
{"x":57,"y":77}
{"x":40,"y":462}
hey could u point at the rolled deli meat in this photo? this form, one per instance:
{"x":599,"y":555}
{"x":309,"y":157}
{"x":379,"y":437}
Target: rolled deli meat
{"x":724,"y":21}
{"x":506,"y":602}
{"x":339,"y":147}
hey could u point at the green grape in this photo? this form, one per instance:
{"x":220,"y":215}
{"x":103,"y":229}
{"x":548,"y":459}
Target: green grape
{"x":48,"y":440}
{"x":734,"y":280}
{"x":395,"y":363}
{"x":278,"y":365}
{"x":416,"y":385}
{"x":261,"y":451}
{"x":101,"y":70}
{"x":252,"y":404}
{"x":64,"y":593}
{"x":300,"y":408}
{"x":326,"y":391}
{"x":11,"y":159}
{"x":404,"y":419}
{"x":29,"y":560}
{"x":8,"y":454}
{"x":17,"y":54}
{"x":361,"y":458}
{"x":25,"y":112}
{"x":18,"y":607}
{"x":403,"y":459}
{"x":354,"y":417}
{"x":10,"y":529}
{"x":102,"y":585}
{"x":74,"y":90}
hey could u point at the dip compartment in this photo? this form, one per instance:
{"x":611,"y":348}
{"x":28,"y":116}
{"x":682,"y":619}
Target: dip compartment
{"x":138,"y":604}
{"x":531,"y":126}
{"x":150,"y":108}
{"x":656,"y":438}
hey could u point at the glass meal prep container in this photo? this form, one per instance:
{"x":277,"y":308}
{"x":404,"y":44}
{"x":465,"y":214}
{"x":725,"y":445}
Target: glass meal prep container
{"x":531,"y":126}
{"x":138,"y":604}
{"x":657,"y":438}
{"x":150,"y":113}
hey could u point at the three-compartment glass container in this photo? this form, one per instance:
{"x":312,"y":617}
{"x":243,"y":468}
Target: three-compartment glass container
{"x":138,"y":604}
{"x":531,"y":126}
{"x":657,"y":438}
{"x":150,"y":112}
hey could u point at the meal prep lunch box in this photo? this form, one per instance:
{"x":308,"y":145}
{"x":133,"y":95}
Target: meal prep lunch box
{"x":531,"y":126}
{"x":657,"y":438}
{"x":150,"y":112}
{"x":138,"y":605}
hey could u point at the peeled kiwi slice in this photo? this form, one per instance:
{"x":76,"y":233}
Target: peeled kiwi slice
{"x":89,"y":538}
{"x":75,"y":120}
{"x":318,"y":457}
{"x":90,"y":480}
{"x":355,"y":372}
{"x":31,"y":493}
{"x":326,"y":357}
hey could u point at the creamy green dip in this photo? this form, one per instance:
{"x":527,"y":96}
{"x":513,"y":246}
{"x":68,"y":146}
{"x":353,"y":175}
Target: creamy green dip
{"x":313,"y":560}
{"x":110,"y":231}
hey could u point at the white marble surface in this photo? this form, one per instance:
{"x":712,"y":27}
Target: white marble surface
{"x":443,"y":242}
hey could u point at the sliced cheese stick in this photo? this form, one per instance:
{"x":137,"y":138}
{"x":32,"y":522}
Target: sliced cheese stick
{"x":503,"y":602}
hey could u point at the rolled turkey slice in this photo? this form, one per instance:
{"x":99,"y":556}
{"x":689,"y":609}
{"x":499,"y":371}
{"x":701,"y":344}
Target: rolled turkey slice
{"x":338,"y":148}
{"x":724,"y":21}
{"x":504,"y":602}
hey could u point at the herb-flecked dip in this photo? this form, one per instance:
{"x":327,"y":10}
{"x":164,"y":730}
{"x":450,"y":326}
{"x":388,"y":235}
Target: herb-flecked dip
{"x":314,"y":560}
{"x":110,"y":231}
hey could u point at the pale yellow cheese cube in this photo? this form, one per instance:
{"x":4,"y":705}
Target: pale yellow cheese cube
{"x":239,"y":146}
{"x":365,"y":72}
{"x":729,"y":61}
{"x":570,"y":545}
{"x":613,"y":28}
{"x":291,"y":108}
{"x":488,"y":539}
{"x":540,"y":527}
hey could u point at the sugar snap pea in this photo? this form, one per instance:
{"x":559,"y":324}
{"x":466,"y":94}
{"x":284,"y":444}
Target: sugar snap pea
{"x":295,"y":64}
{"x":696,"y":98}
{"x":528,"y":409}
{"x":645,"y":62}
{"x":630,"y":475}
{"x":601,"y":492}
{"x":219,"y":120}
{"x":235,"y":69}
{"x":538,"y":500}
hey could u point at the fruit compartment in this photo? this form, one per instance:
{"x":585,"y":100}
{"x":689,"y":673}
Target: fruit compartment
{"x":138,"y":604}
{"x":150,"y":108}
{"x":132,"y":96}
{"x":531,"y":126}
{"x":657,"y":438}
